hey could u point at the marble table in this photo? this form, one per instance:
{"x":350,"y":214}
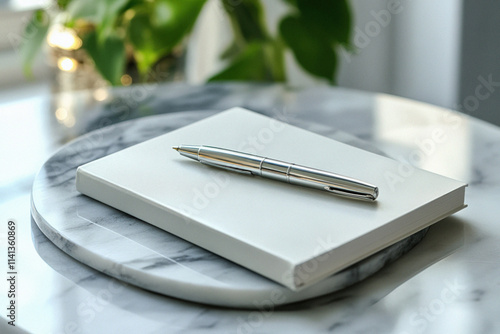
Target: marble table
{"x":449,"y":282}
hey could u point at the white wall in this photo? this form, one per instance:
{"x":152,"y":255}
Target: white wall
{"x":369,"y":67}
{"x":408,"y":48}
{"x":427,"y":51}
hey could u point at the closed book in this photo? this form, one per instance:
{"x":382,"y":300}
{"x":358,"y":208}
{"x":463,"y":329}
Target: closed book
{"x":291,"y":234}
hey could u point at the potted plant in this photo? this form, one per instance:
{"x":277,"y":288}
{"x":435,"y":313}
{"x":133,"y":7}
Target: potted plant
{"x":113,"y":34}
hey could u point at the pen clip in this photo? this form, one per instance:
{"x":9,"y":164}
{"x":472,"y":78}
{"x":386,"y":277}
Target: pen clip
{"x":351,"y":193}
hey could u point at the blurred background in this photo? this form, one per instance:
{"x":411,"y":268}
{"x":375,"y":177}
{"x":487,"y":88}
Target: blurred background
{"x":443,"y":52}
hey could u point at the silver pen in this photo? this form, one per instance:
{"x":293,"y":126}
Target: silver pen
{"x":279,"y":170}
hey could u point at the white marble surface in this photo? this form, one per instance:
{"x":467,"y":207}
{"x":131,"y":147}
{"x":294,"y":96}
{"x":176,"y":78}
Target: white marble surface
{"x":450,"y":282}
{"x":137,"y":253}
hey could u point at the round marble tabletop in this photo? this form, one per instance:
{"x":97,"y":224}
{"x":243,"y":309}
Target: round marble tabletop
{"x":130,"y":250}
{"x":448,"y":282}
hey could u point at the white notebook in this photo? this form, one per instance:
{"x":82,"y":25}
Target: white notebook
{"x":291,"y":234}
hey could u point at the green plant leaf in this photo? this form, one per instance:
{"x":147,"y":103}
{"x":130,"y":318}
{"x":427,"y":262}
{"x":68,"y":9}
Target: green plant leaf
{"x":33,"y":39}
{"x":95,"y":11}
{"x":247,"y":19}
{"x":62,"y":4}
{"x":312,"y":52}
{"x":110,"y":10}
{"x":158,"y":27}
{"x":231,"y":51}
{"x":329,"y":18}
{"x":108,"y":57}
{"x":291,"y":2}
{"x":249,"y":65}
{"x":103,"y":13}
{"x":87,"y":10}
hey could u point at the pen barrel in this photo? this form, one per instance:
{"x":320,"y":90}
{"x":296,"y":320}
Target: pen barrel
{"x":231,"y":160}
{"x":282,"y":171}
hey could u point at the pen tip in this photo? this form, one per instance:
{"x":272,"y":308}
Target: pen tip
{"x":175,"y":148}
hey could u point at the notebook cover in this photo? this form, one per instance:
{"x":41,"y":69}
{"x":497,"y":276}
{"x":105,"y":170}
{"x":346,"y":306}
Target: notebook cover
{"x":290,"y":234}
